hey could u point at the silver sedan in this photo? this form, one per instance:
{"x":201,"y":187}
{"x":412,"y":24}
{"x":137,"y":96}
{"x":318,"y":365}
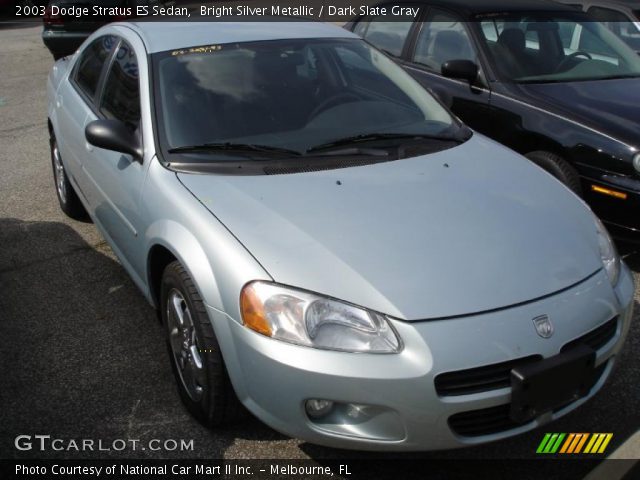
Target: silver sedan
{"x":326,"y":244}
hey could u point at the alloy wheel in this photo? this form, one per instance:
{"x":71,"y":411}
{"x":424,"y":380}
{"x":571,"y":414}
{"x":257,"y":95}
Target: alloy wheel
{"x":184,"y":345}
{"x":59,"y":174}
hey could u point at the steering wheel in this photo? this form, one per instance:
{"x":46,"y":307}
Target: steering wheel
{"x":342,"y":97}
{"x":571,"y":56}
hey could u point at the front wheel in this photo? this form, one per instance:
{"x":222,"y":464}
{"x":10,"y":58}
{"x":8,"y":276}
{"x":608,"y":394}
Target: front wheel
{"x":203,"y":382}
{"x":559,"y":168}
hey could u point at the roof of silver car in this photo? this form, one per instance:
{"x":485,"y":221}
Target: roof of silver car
{"x":164,"y":36}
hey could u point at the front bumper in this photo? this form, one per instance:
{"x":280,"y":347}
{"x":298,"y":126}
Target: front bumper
{"x":395,"y":402}
{"x":621,"y":213}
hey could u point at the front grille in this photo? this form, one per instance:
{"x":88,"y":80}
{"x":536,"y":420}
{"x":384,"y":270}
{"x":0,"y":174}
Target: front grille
{"x":596,"y":338}
{"x":479,"y":379}
{"x":486,"y":421}
{"x":482,"y":422}
{"x":498,"y":375}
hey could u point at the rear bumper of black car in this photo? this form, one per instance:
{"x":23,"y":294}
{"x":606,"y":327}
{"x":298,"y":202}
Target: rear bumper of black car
{"x":63,"y":43}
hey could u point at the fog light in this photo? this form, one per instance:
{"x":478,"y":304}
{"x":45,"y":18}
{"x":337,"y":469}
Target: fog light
{"x":316,"y":407}
{"x":636,"y":162}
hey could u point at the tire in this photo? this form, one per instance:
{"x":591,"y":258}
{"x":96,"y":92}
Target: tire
{"x":559,"y":168}
{"x":203,"y":382}
{"x":70,"y":204}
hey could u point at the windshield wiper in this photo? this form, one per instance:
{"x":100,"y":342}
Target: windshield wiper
{"x":619,"y":77}
{"x":574,"y":80}
{"x":235,"y":147}
{"x":370,"y":137}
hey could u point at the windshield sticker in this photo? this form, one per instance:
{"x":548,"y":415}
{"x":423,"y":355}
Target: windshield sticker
{"x":207,"y":49}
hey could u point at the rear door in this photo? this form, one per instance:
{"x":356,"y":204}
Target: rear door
{"x":75,"y":100}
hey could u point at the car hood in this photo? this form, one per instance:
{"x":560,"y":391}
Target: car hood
{"x":609,"y":106}
{"x":465,"y":230}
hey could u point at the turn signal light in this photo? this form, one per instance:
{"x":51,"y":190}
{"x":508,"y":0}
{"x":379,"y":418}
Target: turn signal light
{"x":608,"y":191}
{"x":252,"y":311}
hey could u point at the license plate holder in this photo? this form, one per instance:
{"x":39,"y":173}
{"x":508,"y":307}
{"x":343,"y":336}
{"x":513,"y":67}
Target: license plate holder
{"x":542,"y":386}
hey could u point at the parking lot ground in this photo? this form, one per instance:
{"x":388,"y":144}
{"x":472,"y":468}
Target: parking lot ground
{"x":83,"y":355}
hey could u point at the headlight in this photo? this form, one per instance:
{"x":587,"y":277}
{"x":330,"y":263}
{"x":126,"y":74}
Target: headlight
{"x":636,"y":162}
{"x":308,"y":319}
{"x":608,"y":252}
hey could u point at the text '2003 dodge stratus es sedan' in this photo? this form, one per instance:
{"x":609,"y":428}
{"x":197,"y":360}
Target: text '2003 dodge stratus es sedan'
{"x":326,"y":243}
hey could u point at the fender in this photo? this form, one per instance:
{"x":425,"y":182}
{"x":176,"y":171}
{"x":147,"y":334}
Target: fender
{"x":169,"y":233}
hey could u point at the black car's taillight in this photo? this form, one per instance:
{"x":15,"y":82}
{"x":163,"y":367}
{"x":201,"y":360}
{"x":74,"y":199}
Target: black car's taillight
{"x":50,"y":19}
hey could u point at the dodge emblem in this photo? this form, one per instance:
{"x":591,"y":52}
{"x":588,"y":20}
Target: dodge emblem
{"x":543,"y":325}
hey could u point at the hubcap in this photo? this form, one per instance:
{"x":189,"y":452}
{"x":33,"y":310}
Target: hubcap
{"x":184,"y":345}
{"x":59,"y":174}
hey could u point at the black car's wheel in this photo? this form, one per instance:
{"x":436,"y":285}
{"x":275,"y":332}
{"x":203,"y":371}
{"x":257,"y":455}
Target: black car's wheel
{"x":67,"y":196}
{"x":559,"y":168}
{"x":197,"y":363}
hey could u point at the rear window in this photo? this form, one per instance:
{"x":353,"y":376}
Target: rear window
{"x":92,"y":62}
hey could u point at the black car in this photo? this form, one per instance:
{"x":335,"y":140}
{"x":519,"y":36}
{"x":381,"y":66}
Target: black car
{"x":63,"y":34}
{"x":542,"y":78}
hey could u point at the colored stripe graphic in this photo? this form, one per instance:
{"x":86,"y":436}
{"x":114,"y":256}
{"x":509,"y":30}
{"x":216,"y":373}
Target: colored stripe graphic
{"x":567,"y":443}
{"x":550,"y":443}
{"x":573,"y":443}
{"x":599,"y":441}
{"x":557,"y":444}
{"x":605,"y":442}
{"x":576,"y":439}
{"x":594,"y":437}
{"x":543,"y":443}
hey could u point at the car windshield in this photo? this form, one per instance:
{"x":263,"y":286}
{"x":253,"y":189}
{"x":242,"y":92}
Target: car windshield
{"x":556,"y":48}
{"x":271,"y":97}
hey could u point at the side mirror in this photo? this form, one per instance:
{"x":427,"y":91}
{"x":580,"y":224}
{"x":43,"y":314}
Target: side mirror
{"x":113,"y":135}
{"x":460,"y":69}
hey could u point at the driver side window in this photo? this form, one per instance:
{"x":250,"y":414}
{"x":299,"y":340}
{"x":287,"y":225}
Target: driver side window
{"x":443,"y":37}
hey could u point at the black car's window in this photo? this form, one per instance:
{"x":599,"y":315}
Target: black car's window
{"x":618,"y":23}
{"x":389,"y":36}
{"x":563,"y":47}
{"x":121,"y":96}
{"x":91,"y":63}
{"x":443,"y":37}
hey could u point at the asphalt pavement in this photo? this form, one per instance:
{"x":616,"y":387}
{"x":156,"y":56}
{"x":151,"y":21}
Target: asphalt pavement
{"x":82,"y":354}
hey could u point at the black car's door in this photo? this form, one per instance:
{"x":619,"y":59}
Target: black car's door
{"x":440,"y":37}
